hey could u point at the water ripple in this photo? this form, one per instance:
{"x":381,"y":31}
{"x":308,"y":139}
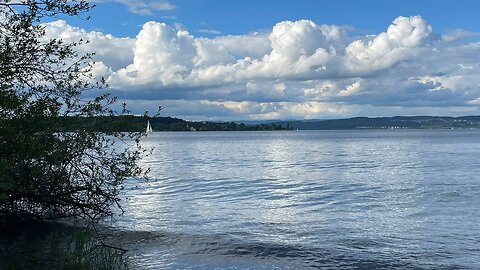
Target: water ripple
{"x":299,"y":200}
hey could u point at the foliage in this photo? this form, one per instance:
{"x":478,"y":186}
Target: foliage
{"x":45,"y":172}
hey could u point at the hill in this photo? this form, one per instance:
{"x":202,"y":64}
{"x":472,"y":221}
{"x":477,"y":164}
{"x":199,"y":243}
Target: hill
{"x":397,"y":122}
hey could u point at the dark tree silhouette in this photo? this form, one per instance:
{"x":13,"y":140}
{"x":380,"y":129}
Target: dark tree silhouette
{"x":46,"y":172}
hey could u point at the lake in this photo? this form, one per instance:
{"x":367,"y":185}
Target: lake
{"x":368,"y":199}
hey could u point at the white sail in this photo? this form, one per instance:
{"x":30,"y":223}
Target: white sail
{"x":149,"y":127}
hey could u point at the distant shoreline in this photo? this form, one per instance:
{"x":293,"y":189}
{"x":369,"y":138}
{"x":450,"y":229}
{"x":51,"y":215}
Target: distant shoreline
{"x":384,"y":123}
{"x":132,"y":123}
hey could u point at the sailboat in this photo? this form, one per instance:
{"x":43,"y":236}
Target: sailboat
{"x":149,"y":127}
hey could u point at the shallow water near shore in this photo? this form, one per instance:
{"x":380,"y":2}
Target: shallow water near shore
{"x":402,"y":199}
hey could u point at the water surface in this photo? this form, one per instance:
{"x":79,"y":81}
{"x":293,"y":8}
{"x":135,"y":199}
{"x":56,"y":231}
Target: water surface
{"x":403,"y":199}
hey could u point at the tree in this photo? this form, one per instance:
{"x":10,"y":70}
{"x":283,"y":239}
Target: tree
{"x":45,"y":172}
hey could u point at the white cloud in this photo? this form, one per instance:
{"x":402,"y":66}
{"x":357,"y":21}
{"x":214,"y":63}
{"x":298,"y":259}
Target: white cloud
{"x":253,"y":46}
{"x":458,"y":34}
{"x":280,"y":87}
{"x":162,"y":56}
{"x":292,"y":50}
{"x":98,"y":72}
{"x":474,"y":101}
{"x":231,"y":110}
{"x":298,"y":69}
{"x":114,"y":52}
{"x":143,"y":7}
{"x":404,"y":38}
{"x":210,"y":53}
{"x":210,"y":31}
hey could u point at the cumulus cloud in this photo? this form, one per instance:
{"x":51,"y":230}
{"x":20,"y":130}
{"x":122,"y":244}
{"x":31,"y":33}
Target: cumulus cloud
{"x":300,"y":50}
{"x":114,"y":52}
{"x":298,"y":69}
{"x":404,"y":38}
{"x":162,"y":56}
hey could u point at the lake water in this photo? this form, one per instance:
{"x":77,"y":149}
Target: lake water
{"x":387,"y":199}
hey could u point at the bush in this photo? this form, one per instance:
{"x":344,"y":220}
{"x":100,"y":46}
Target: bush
{"x":46,"y":173}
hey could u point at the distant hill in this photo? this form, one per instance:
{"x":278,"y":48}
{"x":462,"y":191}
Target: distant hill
{"x":397,"y":122}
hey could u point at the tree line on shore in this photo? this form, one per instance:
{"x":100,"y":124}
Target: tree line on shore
{"x":132,"y":123}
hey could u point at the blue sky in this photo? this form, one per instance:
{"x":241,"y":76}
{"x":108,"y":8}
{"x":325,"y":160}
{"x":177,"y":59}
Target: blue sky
{"x":240,"y":17}
{"x":253,"y":60}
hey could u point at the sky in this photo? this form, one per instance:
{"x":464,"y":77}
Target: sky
{"x":264,"y":59}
